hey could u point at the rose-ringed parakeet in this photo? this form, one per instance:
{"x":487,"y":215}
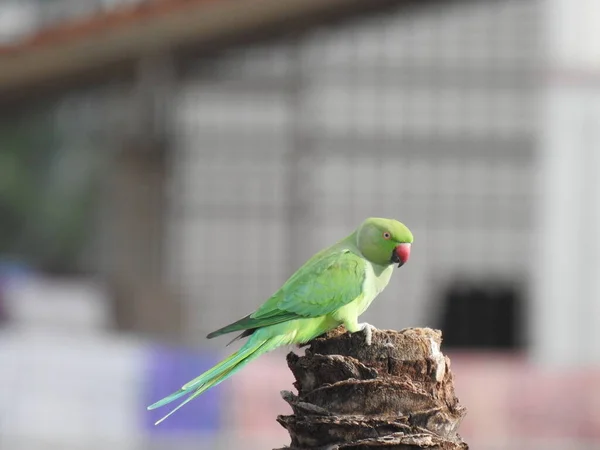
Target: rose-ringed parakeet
{"x":332,"y":288}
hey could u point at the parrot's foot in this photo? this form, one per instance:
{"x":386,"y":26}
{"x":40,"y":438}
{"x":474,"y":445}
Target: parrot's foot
{"x":368,"y":329}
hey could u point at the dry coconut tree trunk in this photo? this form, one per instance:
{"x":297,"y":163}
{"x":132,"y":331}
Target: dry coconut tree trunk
{"x":395,"y":394}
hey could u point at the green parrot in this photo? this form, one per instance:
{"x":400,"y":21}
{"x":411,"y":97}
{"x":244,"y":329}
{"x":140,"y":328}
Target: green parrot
{"x":332,"y":288}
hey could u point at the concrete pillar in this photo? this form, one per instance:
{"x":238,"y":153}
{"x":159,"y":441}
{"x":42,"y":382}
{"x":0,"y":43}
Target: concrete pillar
{"x":565,"y":314}
{"x":143,"y":299}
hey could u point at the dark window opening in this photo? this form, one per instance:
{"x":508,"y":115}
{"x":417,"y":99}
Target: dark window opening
{"x":486,"y":314}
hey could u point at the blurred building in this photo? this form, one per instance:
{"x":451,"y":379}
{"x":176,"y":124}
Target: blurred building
{"x":223,"y":143}
{"x":271,"y":149}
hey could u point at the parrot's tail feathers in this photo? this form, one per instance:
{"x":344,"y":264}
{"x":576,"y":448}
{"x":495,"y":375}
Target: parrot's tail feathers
{"x":241,"y":336}
{"x":168,"y":399}
{"x":203,"y":379}
{"x":187,"y":400}
{"x":231,"y":361}
{"x":252,"y":323}
{"x":198,"y":392}
{"x":235,"y":326}
{"x":220,"y":373}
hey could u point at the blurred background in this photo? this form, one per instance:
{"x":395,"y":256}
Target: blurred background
{"x":165,"y":165}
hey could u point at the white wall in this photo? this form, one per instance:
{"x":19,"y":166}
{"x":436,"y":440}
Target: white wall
{"x":566,"y":309}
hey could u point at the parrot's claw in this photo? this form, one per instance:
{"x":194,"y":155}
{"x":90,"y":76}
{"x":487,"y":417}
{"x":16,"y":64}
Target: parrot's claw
{"x":368,"y":330}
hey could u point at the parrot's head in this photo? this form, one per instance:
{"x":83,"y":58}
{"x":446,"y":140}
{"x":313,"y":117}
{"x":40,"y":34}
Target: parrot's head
{"x":384,"y":241}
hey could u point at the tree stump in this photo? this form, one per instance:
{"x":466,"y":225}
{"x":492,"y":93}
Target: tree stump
{"x":396,"y":394}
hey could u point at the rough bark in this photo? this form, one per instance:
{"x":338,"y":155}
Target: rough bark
{"x":396,"y":394}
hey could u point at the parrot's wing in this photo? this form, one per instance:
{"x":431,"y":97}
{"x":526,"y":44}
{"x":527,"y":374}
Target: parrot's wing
{"x":325,"y":283}
{"x":329,"y":284}
{"x":251,"y":323}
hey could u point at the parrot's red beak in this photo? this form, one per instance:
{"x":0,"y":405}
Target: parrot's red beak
{"x":401,"y":254}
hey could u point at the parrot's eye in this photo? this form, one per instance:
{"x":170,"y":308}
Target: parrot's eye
{"x":386,"y":235}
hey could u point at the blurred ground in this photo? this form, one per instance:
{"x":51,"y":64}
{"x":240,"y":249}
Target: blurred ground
{"x":159,"y":181}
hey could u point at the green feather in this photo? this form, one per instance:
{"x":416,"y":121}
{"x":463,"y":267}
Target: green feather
{"x":219,"y":373}
{"x":168,"y":399}
{"x":250,"y":323}
{"x":223,"y":366}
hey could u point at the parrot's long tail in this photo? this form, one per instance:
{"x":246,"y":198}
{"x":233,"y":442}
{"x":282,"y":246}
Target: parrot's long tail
{"x":220,"y":372}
